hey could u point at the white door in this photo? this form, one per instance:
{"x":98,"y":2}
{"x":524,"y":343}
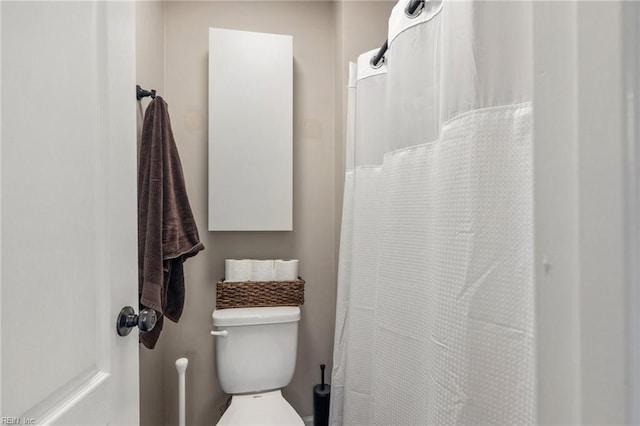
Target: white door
{"x":68,"y":212}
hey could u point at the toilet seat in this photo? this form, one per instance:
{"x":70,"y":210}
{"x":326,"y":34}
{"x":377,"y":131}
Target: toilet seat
{"x":261,"y":409}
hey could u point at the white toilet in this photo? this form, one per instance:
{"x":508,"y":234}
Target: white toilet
{"x":255,"y":358}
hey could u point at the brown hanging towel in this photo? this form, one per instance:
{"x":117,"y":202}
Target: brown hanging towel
{"x":167,"y":232}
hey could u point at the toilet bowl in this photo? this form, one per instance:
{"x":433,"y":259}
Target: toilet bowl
{"x":255,"y":358}
{"x":266,"y":409}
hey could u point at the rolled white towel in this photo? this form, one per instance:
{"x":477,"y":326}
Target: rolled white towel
{"x":261,"y":270}
{"x":285,"y":270}
{"x":237,"y":270}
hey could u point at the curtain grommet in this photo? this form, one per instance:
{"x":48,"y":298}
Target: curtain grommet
{"x":377,"y":65}
{"x":417,"y":11}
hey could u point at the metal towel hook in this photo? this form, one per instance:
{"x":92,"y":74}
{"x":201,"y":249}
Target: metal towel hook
{"x":141,"y":93}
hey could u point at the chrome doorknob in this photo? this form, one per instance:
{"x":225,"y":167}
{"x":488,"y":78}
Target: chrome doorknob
{"x":127,"y":319}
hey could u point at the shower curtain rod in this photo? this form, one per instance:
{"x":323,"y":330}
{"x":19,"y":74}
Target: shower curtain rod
{"x":413,"y":9}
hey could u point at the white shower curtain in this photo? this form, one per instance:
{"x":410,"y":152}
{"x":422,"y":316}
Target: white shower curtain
{"x":434,"y":318}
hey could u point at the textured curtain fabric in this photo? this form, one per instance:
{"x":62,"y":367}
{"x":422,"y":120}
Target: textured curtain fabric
{"x":434,"y":317}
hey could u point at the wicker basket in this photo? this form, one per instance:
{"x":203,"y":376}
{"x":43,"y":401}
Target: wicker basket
{"x":250,"y":294}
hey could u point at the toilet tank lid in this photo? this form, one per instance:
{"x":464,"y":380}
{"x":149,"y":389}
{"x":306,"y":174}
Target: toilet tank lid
{"x":255,"y":316}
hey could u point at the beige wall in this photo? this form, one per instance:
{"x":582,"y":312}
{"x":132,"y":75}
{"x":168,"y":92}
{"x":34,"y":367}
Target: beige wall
{"x":312,"y":240}
{"x":326,"y":36}
{"x":150,"y":75}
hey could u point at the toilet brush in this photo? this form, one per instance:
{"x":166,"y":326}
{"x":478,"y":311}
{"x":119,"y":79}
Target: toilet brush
{"x":181,"y":366}
{"x":321,"y":396}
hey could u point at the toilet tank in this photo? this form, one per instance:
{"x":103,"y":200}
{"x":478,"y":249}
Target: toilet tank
{"x":259,"y":351}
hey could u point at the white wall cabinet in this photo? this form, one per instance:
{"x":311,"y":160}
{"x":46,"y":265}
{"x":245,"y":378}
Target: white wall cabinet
{"x":250,"y":131}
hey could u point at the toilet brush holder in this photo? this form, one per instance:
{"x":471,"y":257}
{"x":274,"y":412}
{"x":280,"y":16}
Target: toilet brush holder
{"x":321,"y":397}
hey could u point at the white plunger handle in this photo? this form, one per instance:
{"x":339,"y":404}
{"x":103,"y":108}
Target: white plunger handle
{"x":181,"y":366}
